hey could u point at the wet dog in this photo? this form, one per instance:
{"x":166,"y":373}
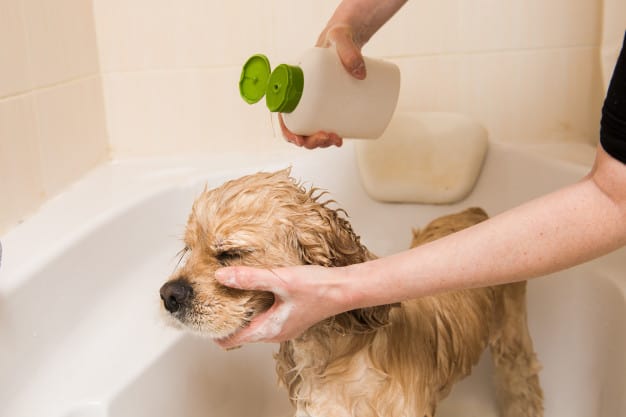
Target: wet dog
{"x":391,"y":360}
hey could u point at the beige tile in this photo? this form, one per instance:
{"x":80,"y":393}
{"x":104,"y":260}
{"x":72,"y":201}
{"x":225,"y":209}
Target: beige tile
{"x":21,"y":185}
{"x":61,"y":40}
{"x":614,"y":15}
{"x":430,"y":83}
{"x":493,"y":25}
{"x":528,"y":96}
{"x":613,"y":22}
{"x":164,"y":112}
{"x":452,"y":26}
{"x":419,"y":27}
{"x":14,"y":76}
{"x":608,"y":60}
{"x":535,"y":96}
{"x":296,"y":26}
{"x":143,"y":34}
{"x":72,"y":131}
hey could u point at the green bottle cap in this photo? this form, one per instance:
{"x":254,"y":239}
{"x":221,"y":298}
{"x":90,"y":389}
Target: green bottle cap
{"x":284,"y":88}
{"x":254,"y":77}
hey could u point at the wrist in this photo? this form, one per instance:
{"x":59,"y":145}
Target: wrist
{"x":356,"y":286}
{"x":354,"y":16}
{"x":363,"y":17}
{"x":339,"y":289}
{"x":384,"y":281}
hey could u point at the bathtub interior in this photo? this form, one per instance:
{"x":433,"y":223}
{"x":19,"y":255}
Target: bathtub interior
{"x":82,"y":333}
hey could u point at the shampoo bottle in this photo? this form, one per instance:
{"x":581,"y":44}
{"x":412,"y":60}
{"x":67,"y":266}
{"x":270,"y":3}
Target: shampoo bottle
{"x":318,"y":94}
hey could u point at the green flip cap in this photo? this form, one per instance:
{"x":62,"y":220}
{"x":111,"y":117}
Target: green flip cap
{"x":282,"y":87}
{"x":254,"y":76}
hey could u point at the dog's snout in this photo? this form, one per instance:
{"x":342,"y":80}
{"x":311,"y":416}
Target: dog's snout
{"x":175,"y":293}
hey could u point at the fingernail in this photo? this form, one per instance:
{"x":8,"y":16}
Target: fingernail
{"x":226,"y":277}
{"x":359,"y":70}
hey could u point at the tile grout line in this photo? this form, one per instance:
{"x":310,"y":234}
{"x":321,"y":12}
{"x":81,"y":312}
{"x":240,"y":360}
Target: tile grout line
{"x":400,"y":56}
{"x":25,"y":93}
{"x":102,"y":73}
{"x":490,"y":52}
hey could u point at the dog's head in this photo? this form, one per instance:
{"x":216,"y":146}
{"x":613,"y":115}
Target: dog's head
{"x":265,"y":220}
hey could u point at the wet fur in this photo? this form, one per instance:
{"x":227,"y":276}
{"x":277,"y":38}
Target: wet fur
{"x":392,"y":360}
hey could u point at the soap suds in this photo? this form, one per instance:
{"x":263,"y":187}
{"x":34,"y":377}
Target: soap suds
{"x":273,"y":323}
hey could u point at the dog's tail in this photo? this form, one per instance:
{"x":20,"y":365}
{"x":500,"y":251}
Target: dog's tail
{"x":516,"y":365}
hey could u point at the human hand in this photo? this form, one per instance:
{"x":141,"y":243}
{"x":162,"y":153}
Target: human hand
{"x":303,"y":296}
{"x":320,"y":139}
{"x":348,"y":47}
{"x":349,"y":51}
{"x":349,"y":28}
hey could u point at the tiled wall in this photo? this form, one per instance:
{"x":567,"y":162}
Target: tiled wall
{"x":613,"y":26}
{"x":83,"y":80}
{"x":52,"y":123}
{"x":171,"y":69}
{"x":529,"y":70}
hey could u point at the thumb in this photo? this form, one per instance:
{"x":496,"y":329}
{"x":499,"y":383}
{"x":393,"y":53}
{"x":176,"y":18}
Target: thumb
{"x":264,"y":327}
{"x":247,"y":278}
{"x":348,"y":51}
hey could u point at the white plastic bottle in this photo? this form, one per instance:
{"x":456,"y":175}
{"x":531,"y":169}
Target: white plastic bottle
{"x":318,"y":94}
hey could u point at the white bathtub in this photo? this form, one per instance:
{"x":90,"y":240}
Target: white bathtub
{"x":80,"y":330}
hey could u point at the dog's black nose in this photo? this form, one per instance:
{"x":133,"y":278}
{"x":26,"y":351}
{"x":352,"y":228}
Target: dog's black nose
{"x":174,"y":294}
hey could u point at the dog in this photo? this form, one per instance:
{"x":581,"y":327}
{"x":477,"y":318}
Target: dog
{"x":395,"y":360}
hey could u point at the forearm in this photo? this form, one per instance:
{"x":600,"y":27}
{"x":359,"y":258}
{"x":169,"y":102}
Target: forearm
{"x":364,"y":16}
{"x":557,"y":231}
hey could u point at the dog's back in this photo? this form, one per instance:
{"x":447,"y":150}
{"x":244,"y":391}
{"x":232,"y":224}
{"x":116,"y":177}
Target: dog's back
{"x":408,"y":366}
{"x":395,"y":360}
{"x":464,"y":322}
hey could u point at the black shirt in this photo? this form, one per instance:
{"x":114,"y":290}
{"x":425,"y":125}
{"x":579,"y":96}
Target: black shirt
{"x":613,"y":124}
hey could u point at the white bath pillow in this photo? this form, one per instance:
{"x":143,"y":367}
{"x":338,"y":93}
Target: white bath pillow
{"x":432,"y":158}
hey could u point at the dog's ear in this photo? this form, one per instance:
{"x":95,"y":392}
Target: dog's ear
{"x":324,"y":237}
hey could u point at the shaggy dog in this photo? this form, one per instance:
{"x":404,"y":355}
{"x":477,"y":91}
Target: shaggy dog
{"x":391,"y":360}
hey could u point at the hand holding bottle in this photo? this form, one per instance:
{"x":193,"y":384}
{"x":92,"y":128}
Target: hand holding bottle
{"x":351,"y":26}
{"x":350,"y":55}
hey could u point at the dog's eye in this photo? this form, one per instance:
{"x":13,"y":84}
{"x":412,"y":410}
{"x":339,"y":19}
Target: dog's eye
{"x":228,"y":256}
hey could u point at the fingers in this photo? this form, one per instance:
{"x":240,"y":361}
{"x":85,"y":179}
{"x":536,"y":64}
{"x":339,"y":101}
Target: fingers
{"x":348,"y":51}
{"x":247,"y":278}
{"x":352,"y":60}
{"x":321,"y":140}
{"x":265,"y":327}
{"x":317,"y":140}
{"x":243,"y":336}
{"x":298,"y":304}
{"x":289,"y":135}
{"x":351,"y":57}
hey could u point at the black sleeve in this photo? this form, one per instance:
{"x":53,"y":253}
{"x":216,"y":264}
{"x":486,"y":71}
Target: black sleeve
{"x":613,"y":124}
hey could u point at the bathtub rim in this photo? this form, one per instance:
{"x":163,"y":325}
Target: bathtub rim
{"x":187,"y":177}
{"x":105,"y":192}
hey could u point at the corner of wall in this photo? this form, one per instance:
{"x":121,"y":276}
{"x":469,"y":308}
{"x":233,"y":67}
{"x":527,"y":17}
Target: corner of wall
{"x":52,"y":126}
